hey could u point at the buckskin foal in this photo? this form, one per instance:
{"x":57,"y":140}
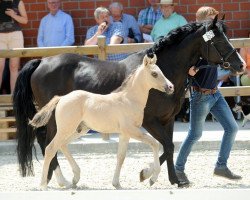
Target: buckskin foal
{"x":119,"y":112}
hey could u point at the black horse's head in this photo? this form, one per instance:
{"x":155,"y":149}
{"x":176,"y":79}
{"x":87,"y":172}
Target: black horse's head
{"x":217,"y":49}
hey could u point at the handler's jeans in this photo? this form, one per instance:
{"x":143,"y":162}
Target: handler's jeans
{"x":200,"y":106}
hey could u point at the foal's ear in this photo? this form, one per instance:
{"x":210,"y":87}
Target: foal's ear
{"x":146,"y":61}
{"x":154,"y":59}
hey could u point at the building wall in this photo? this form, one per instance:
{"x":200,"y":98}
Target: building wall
{"x":237,"y":14}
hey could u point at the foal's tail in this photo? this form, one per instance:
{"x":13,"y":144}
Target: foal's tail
{"x":24,"y":108}
{"x":42,"y":117}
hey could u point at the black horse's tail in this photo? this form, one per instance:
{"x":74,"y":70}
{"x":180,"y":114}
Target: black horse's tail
{"x":24,"y":109}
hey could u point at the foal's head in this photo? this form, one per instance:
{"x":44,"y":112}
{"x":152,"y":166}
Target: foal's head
{"x":154,"y":76}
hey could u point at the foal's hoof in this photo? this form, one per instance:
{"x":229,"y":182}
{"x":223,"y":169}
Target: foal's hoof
{"x":75,"y":180}
{"x":43,"y":187}
{"x":118,"y":186}
{"x":151,"y":182}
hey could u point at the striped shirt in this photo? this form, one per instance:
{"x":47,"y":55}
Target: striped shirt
{"x":149,"y":16}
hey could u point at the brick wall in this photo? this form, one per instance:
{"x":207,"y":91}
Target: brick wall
{"x":237,"y":14}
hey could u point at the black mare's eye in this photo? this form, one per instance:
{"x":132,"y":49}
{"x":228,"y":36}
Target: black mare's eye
{"x":154,"y":74}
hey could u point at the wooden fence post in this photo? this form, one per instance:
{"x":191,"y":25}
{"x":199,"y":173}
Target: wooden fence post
{"x":102,"y":54}
{"x":101,"y":42}
{"x":3,"y":125}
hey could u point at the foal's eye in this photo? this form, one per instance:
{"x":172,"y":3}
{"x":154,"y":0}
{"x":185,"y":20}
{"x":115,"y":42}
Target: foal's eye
{"x":154,"y":74}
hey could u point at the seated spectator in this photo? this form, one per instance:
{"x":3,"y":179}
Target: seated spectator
{"x":169,"y":20}
{"x":130,"y":24}
{"x":56,"y":28}
{"x":245,"y":54}
{"x":12,"y":12}
{"x":113,"y":31}
{"x":148,"y":17}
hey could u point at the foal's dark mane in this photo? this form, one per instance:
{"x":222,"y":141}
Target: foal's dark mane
{"x":125,"y":82}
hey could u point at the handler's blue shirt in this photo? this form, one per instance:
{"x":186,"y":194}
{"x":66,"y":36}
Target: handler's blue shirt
{"x":206,"y":78}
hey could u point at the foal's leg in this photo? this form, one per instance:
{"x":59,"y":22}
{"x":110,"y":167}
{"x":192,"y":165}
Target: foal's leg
{"x":54,"y":165}
{"x":50,"y":152}
{"x":80,"y":130}
{"x":155,"y":169}
{"x":75,"y":168}
{"x":61,"y":180}
{"x":122,"y":149}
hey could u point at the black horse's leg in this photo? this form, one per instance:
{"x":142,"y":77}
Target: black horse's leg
{"x":169,"y":152}
{"x":168,"y":155}
{"x":41,"y":138}
{"x":147,"y":173}
{"x":164,"y":134}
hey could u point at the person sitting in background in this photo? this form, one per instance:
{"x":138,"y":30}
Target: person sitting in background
{"x":169,"y":20}
{"x":148,"y":17}
{"x":12,"y":13}
{"x":113,"y":31}
{"x":131,"y":27}
{"x":56,"y":28}
{"x":245,"y":54}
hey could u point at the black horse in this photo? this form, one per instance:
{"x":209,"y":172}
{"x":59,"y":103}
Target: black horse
{"x":41,"y":79}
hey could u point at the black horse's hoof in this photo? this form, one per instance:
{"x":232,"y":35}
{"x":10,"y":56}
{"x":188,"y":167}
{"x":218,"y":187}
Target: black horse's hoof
{"x":141,"y":176}
{"x":183,"y":185}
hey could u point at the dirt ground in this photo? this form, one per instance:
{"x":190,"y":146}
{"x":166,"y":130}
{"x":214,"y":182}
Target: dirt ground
{"x":97,"y":172}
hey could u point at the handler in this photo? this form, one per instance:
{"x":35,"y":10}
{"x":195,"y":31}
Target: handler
{"x":204,"y":99}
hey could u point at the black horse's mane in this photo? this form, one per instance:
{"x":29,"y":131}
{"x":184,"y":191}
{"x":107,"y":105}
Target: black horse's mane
{"x":177,"y":35}
{"x":174,"y":37}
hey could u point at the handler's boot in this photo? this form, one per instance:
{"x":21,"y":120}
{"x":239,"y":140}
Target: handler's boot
{"x":182,"y":178}
{"x":226,"y":173}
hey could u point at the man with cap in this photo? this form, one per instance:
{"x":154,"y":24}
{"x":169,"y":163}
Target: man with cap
{"x":169,"y":20}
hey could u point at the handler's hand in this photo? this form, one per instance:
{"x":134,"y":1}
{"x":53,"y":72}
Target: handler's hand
{"x":192,"y":71}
